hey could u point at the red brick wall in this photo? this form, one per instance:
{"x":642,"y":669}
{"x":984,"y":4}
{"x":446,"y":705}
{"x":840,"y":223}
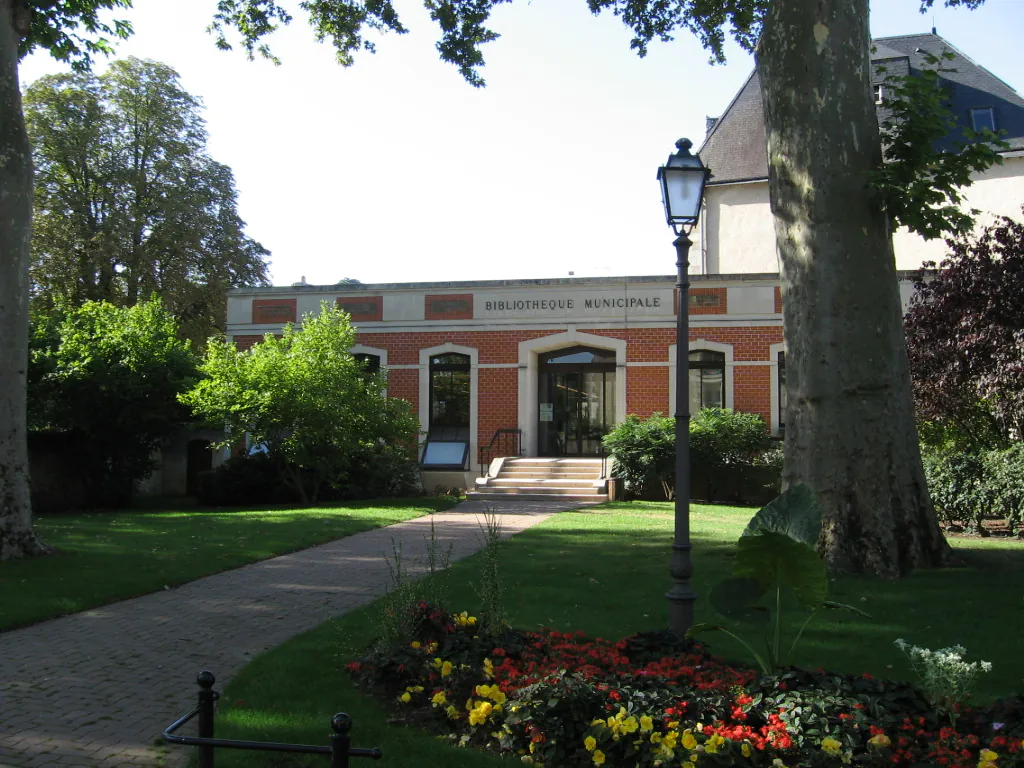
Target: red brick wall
{"x":646,"y":386}
{"x":778,"y":300}
{"x":498,"y":390}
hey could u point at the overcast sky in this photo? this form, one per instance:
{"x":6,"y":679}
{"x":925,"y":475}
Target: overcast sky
{"x":396,"y":170}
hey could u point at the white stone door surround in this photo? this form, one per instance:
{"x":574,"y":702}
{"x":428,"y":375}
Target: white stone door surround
{"x":529,"y":370}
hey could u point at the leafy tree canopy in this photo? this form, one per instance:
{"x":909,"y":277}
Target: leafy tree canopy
{"x":108,"y":378}
{"x":127,"y":201}
{"x":965,"y":336}
{"x":304,"y":398}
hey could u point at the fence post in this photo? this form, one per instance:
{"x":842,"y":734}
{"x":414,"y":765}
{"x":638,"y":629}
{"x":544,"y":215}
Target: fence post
{"x":207,"y":698}
{"x":340,"y":740}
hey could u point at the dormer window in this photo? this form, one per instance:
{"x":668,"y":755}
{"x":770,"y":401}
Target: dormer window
{"x":983,"y":118}
{"x":879,"y":91}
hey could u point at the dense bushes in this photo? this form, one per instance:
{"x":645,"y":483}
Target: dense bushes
{"x":372,"y":471}
{"x":731,"y":457}
{"x":969,"y":486}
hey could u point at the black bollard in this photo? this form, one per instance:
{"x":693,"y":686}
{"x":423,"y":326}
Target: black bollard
{"x":207,"y":699}
{"x":341,"y":724}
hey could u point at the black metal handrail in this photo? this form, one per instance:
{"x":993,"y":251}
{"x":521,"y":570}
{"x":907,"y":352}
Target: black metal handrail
{"x":339,"y":751}
{"x":501,"y":438}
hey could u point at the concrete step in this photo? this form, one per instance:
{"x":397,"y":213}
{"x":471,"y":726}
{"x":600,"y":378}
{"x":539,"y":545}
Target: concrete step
{"x":481,"y":496}
{"x":533,"y":482}
{"x":553,"y":490}
{"x":536,"y":472}
{"x":542,"y":462}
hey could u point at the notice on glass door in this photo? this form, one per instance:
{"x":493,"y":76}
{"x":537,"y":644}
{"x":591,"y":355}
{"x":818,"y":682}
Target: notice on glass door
{"x":547,"y":411}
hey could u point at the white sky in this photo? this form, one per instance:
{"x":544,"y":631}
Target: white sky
{"x":396,"y":170}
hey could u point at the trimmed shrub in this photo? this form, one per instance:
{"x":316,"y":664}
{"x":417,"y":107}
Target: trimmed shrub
{"x":644,"y":449}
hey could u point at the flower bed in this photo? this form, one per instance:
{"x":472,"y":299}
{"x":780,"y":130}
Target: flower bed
{"x":653,"y":700}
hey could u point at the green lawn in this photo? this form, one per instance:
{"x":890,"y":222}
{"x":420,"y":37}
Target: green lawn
{"x":604,"y":570}
{"x":108,"y":556}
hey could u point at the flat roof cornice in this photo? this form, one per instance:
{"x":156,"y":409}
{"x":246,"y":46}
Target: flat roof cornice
{"x":465,"y":285}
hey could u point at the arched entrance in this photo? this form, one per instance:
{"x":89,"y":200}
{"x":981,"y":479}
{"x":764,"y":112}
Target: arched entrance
{"x":576,"y":400}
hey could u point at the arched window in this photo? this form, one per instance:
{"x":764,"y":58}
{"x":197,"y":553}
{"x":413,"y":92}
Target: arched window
{"x":449,"y":396}
{"x":370,"y":363}
{"x":707,"y":380}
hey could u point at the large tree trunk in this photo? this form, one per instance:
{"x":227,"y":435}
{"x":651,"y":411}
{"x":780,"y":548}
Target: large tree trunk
{"x":17,"y":538}
{"x":850,"y":431}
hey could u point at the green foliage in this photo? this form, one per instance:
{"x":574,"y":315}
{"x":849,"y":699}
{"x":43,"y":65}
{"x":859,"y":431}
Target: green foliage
{"x":307,"y":401}
{"x":723,"y":437}
{"x":108,"y":377}
{"x":968,"y":486}
{"x":642,"y":449}
{"x":919,"y":183}
{"x":956,"y":482}
{"x":55,"y":26}
{"x":243,"y":481}
{"x":795,"y":514}
{"x":774,"y":557}
{"x":127,"y":201}
{"x":490,"y":587}
{"x":720,"y":440}
{"x":946,"y":678}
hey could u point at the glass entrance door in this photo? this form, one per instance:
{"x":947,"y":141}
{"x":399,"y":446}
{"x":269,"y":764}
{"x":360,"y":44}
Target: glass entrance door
{"x":577,"y":403}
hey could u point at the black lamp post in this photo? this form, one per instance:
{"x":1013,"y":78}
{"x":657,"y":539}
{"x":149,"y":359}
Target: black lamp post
{"x":682,"y":191}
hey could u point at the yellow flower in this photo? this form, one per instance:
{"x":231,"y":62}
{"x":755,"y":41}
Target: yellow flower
{"x":688,"y":764}
{"x":438,"y":699}
{"x":590,"y":743}
{"x":405,"y":698}
{"x":629,"y":725}
{"x":881,"y":740}
{"x":414,"y":644}
{"x":598,"y":757}
{"x":655,"y":738}
{"x":689,"y":741}
{"x":533,"y":747}
{"x":446,"y":668}
{"x":987,"y":756}
{"x":646,"y":724}
{"x":746,"y":750}
{"x":598,"y":721}
{"x":452,"y":712}
{"x":489,"y":668}
{"x":831,"y":746}
{"x":670,"y":739}
{"x":987,"y":764}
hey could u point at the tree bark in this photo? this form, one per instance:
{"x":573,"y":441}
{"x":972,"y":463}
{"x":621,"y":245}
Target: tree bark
{"x":17,"y":539}
{"x":850,"y":430}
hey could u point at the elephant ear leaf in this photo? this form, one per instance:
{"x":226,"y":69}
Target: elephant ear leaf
{"x":794,"y":513}
{"x":776,"y":560}
{"x":737,"y":599}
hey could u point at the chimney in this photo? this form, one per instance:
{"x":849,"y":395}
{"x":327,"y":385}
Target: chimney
{"x":709,"y":124}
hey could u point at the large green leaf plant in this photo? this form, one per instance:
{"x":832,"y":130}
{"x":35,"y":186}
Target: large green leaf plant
{"x":775,"y":555}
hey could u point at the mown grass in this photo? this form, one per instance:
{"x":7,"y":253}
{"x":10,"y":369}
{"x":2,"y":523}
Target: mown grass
{"x":604,"y":570}
{"x":103,"y":557}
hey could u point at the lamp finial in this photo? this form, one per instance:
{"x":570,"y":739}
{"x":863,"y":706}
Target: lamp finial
{"x":684,"y":145}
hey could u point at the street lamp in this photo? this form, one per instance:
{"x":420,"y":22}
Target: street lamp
{"x":682,"y":191}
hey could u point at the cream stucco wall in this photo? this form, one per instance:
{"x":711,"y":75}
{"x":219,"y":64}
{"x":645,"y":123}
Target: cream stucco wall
{"x":738,"y":237}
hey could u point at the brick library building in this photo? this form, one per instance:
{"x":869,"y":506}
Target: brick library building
{"x":545,"y":368}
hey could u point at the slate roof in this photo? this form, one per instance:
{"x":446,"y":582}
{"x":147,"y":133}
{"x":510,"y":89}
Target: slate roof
{"x":735,"y":148}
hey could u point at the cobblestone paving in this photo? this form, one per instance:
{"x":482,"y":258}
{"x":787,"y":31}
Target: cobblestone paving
{"x":97,"y":688}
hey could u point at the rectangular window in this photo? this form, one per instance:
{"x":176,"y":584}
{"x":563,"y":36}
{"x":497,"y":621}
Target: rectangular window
{"x":879,"y":90}
{"x":982,"y":118}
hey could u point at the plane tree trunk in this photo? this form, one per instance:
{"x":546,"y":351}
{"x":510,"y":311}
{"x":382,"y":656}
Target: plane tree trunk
{"x":850,"y":431}
{"x":17,"y":538}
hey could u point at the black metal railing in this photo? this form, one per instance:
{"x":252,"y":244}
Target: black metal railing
{"x":339,"y":751}
{"x":504,"y":442}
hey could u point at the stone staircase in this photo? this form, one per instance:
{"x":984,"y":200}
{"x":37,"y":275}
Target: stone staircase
{"x":538,"y":479}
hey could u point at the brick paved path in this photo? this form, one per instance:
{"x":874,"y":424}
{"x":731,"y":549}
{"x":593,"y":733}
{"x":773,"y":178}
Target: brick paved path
{"x":96,"y":688}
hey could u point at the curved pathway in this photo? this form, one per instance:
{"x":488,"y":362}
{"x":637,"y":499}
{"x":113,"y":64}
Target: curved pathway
{"x":97,"y":688}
